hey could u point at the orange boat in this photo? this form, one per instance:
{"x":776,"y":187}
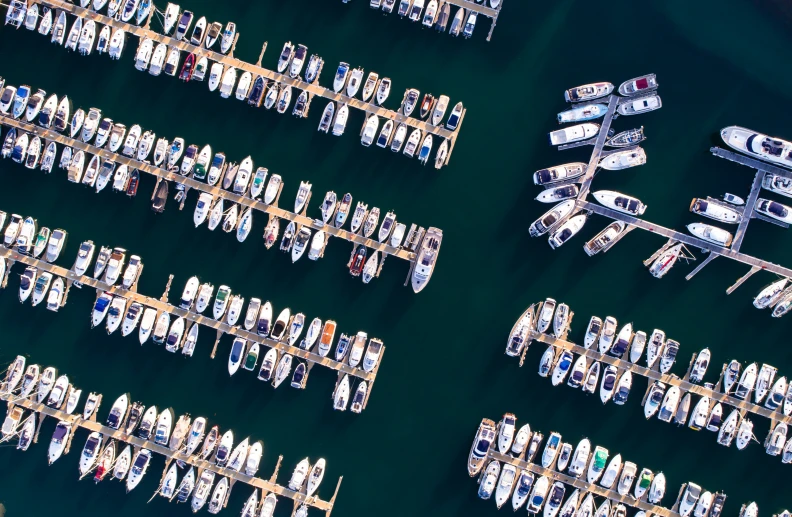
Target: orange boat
{"x":326,"y":341}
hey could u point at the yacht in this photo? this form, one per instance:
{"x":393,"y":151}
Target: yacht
{"x":58,"y":393}
{"x":763,"y":382}
{"x":744,"y":433}
{"x":273,"y":189}
{"x":59,"y":440}
{"x":669,"y":406}
{"x":711,"y":234}
{"x":163,"y":427}
{"x":719,"y":212}
{"x":561,"y":320}
{"x":588,"y":92}
{"x":665,"y":261}
{"x":41,"y":287}
{"x":771,"y":149}
{"x":627,"y":478}
{"x":582,"y":113}
{"x":657,"y":489}
{"x":369,"y":130}
{"x":592,"y":378}
{"x":777,"y":394}
{"x":612,"y":472}
{"x":621,"y":160}
{"x":578,"y":372}
{"x":268,"y":365}
{"x":537,"y":498}
{"x":700,"y":366}
{"x":640,"y":105}
{"x":689,"y":499}
{"x":623,"y":388}
{"x":227,"y":38}
{"x":580,"y":458}
{"x":638,"y":85}
{"x":339,"y":123}
{"x":558,"y":173}
{"x":264,"y":320}
{"x":698,"y":418}
{"x":668,"y":356}
{"x":575,"y":133}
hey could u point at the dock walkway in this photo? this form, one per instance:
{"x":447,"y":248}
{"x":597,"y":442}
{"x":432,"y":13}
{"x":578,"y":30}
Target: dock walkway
{"x":748,"y":211}
{"x":93,"y":426}
{"x":581,"y":484}
{"x":599,"y":144}
{"x":654,"y":375}
{"x":215,"y":192}
{"x":227,"y":60}
{"x":219,"y":326}
{"x":686,"y":239}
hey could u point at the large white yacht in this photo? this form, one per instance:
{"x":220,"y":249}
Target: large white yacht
{"x":620,"y":202}
{"x":711,"y":234}
{"x":758,"y":145}
{"x":774,"y":210}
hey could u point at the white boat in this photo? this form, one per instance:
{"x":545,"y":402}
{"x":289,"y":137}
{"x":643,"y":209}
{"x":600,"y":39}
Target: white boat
{"x":689,"y":499}
{"x":717,"y":211}
{"x":567,"y":230}
{"x":58,"y":442}
{"x":588,"y":92}
{"x":654,"y":399}
{"x":558,"y":173}
{"x":640,"y":105}
{"x":283,"y":370}
{"x":202,"y":490}
{"x":665,"y":261}
{"x":505,"y":484}
{"x":582,"y":113}
{"x":562,"y":367}
{"x":625,"y":159}
{"x":711,"y":234}
{"x":238,"y":350}
{"x":555,"y":194}
{"x":608,"y":385}
{"x":620,"y":202}
{"x":574,"y":133}
{"x":771,"y":149}
{"x":489,"y":480}
{"x":770,"y":294}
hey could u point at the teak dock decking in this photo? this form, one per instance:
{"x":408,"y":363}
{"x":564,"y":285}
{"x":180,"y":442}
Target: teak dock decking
{"x":215,"y":192}
{"x":220,"y":326}
{"x":138,"y":443}
{"x":228,"y":60}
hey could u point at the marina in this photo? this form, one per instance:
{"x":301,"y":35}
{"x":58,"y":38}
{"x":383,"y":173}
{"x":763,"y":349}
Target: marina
{"x":438,"y":14}
{"x":615,"y":483}
{"x":412,"y":241}
{"x":220,"y":326}
{"x":75,"y":421}
{"x":657,"y":371}
{"x":625,"y":211}
{"x":424,"y":128}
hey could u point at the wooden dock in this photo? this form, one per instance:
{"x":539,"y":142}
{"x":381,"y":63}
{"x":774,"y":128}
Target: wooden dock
{"x":580,"y":483}
{"x":686,"y":239}
{"x":169,"y":454}
{"x":654,"y":375}
{"x":599,"y":144}
{"x":228,"y":60}
{"x":748,"y":211}
{"x":219,"y":326}
{"x":215,"y":192}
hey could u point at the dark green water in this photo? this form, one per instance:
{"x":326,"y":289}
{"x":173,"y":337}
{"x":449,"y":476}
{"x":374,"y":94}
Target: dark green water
{"x":718,"y":63}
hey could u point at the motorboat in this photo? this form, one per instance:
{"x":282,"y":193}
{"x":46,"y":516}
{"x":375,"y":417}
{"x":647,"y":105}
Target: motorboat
{"x":588,"y":92}
{"x":654,"y":399}
{"x":556,"y":194}
{"x":623,"y":387}
{"x":777,"y":394}
{"x":770,"y":294}
{"x":668,"y":356}
{"x":490,"y":479}
{"x":622,"y":342}
{"x":597,"y":465}
{"x":383,"y":90}
{"x":567,"y":230}
{"x":41,"y":287}
{"x":640,"y":105}
{"x":339,"y":123}
{"x":638,"y":85}
{"x":558,"y":173}
{"x":625,"y":159}
{"x":578,"y":372}
{"x":612,"y":472}
{"x":763,"y":382}
{"x":550,"y":219}
{"x":620,"y":202}
{"x":711,"y":234}
{"x":657,"y":489}
{"x":744,"y":433}
{"x":163,"y":427}
{"x":574,"y":133}
{"x":627,"y":478}
{"x":637,"y":346}
{"x":545,"y":315}
{"x":717,"y":211}
{"x":690,"y":497}
{"x":343,"y":210}
{"x":341,"y":76}
{"x":700,"y":366}
{"x":669,"y":406}
{"x":608,"y":385}
{"x":698,"y":418}
{"x":562,"y":367}
{"x":228,"y":37}
{"x":519,"y":333}
{"x":580,"y":458}
{"x":774,"y":210}
{"x":356,"y":351}
{"x":506,"y":432}
{"x":354,"y":82}
{"x":583,"y":113}
{"x":591,"y":379}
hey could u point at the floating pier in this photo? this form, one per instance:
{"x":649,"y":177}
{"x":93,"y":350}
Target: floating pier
{"x":169,"y":454}
{"x":229,"y":61}
{"x":220,"y":326}
{"x":402,"y":252}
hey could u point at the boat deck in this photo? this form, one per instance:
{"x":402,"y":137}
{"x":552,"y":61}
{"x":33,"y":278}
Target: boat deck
{"x":220,"y":326}
{"x":215,"y":192}
{"x":93,"y":426}
{"x":256,"y":69}
{"x":654,"y":375}
{"x":553,"y":475}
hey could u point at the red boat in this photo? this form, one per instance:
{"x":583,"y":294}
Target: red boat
{"x":134,"y":181}
{"x":187,"y":68}
{"x":357,"y":261}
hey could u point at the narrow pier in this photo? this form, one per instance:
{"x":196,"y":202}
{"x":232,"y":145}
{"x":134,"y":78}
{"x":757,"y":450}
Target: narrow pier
{"x":654,"y":375}
{"x":227,"y":60}
{"x":217,"y":191}
{"x":93,"y":426}
{"x":581,"y":484}
{"x":220,"y":326}
{"x":686,"y":239}
{"x":748,"y":211}
{"x":599,"y":143}
{"x":750,"y":162}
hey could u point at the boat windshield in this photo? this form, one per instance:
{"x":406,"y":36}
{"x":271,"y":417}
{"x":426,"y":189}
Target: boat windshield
{"x":60,"y":433}
{"x":777,"y":209}
{"x":482,"y":447}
